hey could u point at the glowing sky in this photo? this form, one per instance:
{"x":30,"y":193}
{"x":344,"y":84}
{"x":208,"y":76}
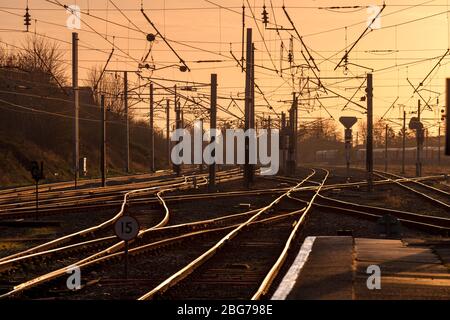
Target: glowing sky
{"x":410,"y":31}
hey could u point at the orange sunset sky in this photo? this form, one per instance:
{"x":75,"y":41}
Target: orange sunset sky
{"x":414,"y":34}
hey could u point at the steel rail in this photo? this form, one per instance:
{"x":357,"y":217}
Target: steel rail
{"x":68,"y":184}
{"x":79,"y":194}
{"x":426,"y":223}
{"x":48,"y":210}
{"x":112,"y":189}
{"x":274,"y":271}
{"x":188,"y":269}
{"x":107,"y":223}
{"x":87,"y":203}
{"x":4,"y":265}
{"x":16,"y":257}
{"x":422,"y":194}
{"x":91,"y":194}
{"x":133,"y":252}
{"x":383,"y":211}
{"x":416,"y":181}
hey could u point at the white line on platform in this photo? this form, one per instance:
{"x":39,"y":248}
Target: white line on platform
{"x":291,"y":276}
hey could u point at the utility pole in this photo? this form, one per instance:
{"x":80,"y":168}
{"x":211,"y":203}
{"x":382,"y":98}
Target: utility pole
{"x":248,"y":104}
{"x":439,"y":143}
{"x":447,"y":118}
{"x":386,"y":148}
{"x":403,"y":142}
{"x":103,"y":141}
{"x":76,"y":95}
{"x":201,"y":145}
{"x":168,"y":132}
{"x":269,"y":135}
{"x":152,"y":135}
{"x":213,"y":125}
{"x":252,"y":90}
{"x":369,"y":143}
{"x":419,"y":135}
{"x":426,"y":147}
{"x":295,"y":133}
{"x":182,"y":118}
{"x":283,"y":144}
{"x":177,"y":107}
{"x":292,"y":153}
{"x":127,"y":121}
{"x":252,"y":107}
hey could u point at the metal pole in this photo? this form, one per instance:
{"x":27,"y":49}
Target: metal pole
{"x":283,"y":142}
{"x":125,"y":101}
{"x":269,"y":135}
{"x":37,"y":200}
{"x":386,"y":148}
{"x":295,"y":132}
{"x":439,"y":144}
{"x":348,"y":145}
{"x":201,"y":145}
{"x":152,"y":136}
{"x":213,"y":125}
{"x":168,"y":132}
{"x":252,"y":106}
{"x":182,"y":118}
{"x":404,"y":142}
{"x":126,"y":260}
{"x":369,"y":143}
{"x":103,"y":141}
{"x":248,"y":104}
{"x":76,"y":96}
{"x":447,"y":118}
{"x":243,"y":28}
{"x":179,"y":126}
{"x":426,"y":147}
{"x":418,"y":148}
{"x":176,"y":168}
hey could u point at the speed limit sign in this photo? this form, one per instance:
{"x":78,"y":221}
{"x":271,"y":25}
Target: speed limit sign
{"x":126,"y":228}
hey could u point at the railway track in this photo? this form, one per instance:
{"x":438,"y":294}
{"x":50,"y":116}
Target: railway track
{"x":433,"y":195}
{"x":12,"y":193}
{"x":110,"y":253}
{"x":81,"y":235}
{"x":93,"y":200}
{"x":59,"y":247}
{"x":77,"y":196}
{"x":243,"y":263}
{"x":77,"y":252}
{"x":108,"y":202}
{"x":430,"y":224}
{"x":222,"y":238}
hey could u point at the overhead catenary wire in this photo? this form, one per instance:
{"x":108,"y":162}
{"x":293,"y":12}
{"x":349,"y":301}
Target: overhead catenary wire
{"x":284,"y":86}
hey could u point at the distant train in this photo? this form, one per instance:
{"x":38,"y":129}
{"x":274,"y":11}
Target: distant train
{"x":327,"y":155}
{"x":429,"y":155}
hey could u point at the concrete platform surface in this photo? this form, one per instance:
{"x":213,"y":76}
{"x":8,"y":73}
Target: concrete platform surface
{"x":344,"y":268}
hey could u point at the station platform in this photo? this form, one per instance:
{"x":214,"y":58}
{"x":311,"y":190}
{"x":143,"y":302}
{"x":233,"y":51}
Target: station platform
{"x":336,"y":268}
